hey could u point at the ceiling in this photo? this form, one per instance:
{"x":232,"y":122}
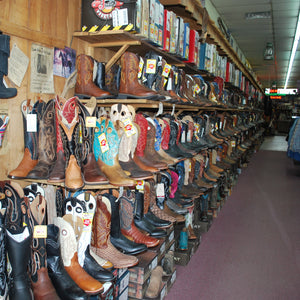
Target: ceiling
{"x":252,"y":36}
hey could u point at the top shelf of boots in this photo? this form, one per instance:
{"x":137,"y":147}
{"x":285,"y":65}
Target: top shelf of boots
{"x":138,"y":44}
{"x":192,"y":11}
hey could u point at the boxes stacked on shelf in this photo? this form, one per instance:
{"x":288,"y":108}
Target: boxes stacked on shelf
{"x":122,"y":281}
{"x":167,"y":26}
{"x":193,"y":47}
{"x":173,"y":33}
{"x":160,"y":10}
{"x":208,"y":58}
{"x":180,"y":49}
{"x":144,"y":30}
{"x":108,"y":15}
{"x":186,"y":41}
{"x":202,"y":51}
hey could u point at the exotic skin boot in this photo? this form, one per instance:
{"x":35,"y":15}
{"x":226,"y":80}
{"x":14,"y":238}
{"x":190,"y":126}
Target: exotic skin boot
{"x":70,"y":259}
{"x":106,"y":148}
{"x":85,"y":87}
{"x":116,"y":237}
{"x":64,"y":285}
{"x":90,"y":168}
{"x":129,"y":84}
{"x":5,"y":92}
{"x":70,"y":130}
{"x":127,"y":223}
{"x":40,"y":281}
{"x":19,"y":241}
{"x":30,"y":158}
{"x":101,"y":244}
{"x":47,"y":144}
{"x":3,"y":124}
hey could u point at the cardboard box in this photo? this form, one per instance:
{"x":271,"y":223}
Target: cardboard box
{"x":167,"y":25}
{"x":119,"y":272}
{"x":180,"y":48}
{"x":160,"y":249}
{"x":193,"y":47}
{"x":147,"y":262}
{"x":186,"y":41}
{"x":160,"y":24}
{"x":121,"y":284}
{"x":107,"y":15}
{"x":183,"y":257}
{"x":124,"y":295}
{"x":173,"y":33}
{"x":169,"y":280}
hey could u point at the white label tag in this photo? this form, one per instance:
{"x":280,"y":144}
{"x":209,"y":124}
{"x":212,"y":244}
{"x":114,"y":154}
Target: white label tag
{"x":31,"y":123}
{"x":90,"y":122}
{"x":166,"y":70}
{"x":40,"y":232}
{"x":160,"y":191}
{"x":140,"y":185}
{"x":233,"y":144}
{"x":120,"y":17}
{"x":103,"y":142}
{"x":87,"y":219}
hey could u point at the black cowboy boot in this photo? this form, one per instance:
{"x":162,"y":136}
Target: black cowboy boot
{"x":116,"y":237}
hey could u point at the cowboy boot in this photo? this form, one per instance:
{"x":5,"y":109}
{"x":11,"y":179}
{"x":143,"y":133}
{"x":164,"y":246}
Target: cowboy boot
{"x":3,"y":124}
{"x":85,"y":87}
{"x":70,"y":259}
{"x":58,"y":172}
{"x":112,"y":79}
{"x":47,"y":144}
{"x":121,"y":116}
{"x":129,"y":84}
{"x":106,"y":148}
{"x":90,"y":168}
{"x":19,"y":241}
{"x":141,"y":222}
{"x":127,"y":223}
{"x":101,"y":244}
{"x":145,"y":147}
{"x":64,"y":285}
{"x":5,"y":92}
{"x":70,"y":131}
{"x":30,"y":158}
{"x":40,"y":281}
{"x":83,"y":207}
{"x":116,"y":237}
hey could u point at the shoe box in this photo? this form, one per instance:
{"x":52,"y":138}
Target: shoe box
{"x":108,"y":15}
{"x":169,"y":280}
{"x":164,"y":244}
{"x":122,"y":282}
{"x":139,"y":275}
{"x":107,"y":294}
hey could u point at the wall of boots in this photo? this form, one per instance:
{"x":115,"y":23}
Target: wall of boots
{"x":127,"y":167}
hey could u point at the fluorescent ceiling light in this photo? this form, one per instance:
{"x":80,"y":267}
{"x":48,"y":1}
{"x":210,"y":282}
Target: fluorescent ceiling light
{"x":258,"y":15}
{"x":293,"y":53}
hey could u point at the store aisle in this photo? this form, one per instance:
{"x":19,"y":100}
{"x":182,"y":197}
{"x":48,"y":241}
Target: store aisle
{"x":252,"y":250}
{"x":275,"y":143}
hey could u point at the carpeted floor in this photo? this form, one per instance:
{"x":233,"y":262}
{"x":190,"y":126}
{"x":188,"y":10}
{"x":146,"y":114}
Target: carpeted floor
{"x":252,"y":250}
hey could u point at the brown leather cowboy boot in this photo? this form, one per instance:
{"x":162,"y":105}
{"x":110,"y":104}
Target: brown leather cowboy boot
{"x":70,"y":259}
{"x":101,"y":244}
{"x":129,"y":84}
{"x":41,"y":284}
{"x":47,"y":144}
{"x":85,"y":87}
{"x":30,"y":158}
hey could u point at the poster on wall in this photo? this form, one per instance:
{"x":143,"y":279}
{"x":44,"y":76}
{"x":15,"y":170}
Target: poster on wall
{"x":64,"y":62}
{"x":41,"y":70}
{"x":17,"y":65}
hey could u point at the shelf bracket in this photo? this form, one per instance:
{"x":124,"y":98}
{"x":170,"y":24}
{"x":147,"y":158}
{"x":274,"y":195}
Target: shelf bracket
{"x":116,"y":56}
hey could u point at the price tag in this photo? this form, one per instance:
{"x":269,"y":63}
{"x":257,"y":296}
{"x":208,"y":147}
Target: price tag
{"x":197,"y":89}
{"x":129,"y":128}
{"x":87,"y":219}
{"x":40,"y":232}
{"x":31,"y":123}
{"x":160,"y":191}
{"x":103,"y":142}
{"x":233,"y":144}
{"x":90,"y":122}
{"x":190,"y":166}
{"x":140,"y":185}
{"x":176,"y":77}
{"x":141,"y":66}
{"x":151,"y":66}
{"x":166,"y":70}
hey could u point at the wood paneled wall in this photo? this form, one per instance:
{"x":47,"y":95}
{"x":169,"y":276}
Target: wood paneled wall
{"x":46,"y":22}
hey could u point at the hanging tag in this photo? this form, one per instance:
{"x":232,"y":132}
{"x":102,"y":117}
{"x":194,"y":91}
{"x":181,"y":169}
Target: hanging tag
{"x":103,"y":142}
{"x":141,"y":66}
{"x":166,"y":70}
{"x":40,"y":232}
{"x":165,"y":81}
{"x":87,"y":220}
{"x":233,"y":144}
{"x":151,"y":66}
{"x":140,"y":185}
{"x":160,"y":190}
{"x":176,"y":77}
{"x":173,"y":110}
{"x":197,"y":89}
{"x":190,"y":166}
{"x":129,"y":128}
{"x":31,"y":123}
{"x":90,"y":122}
